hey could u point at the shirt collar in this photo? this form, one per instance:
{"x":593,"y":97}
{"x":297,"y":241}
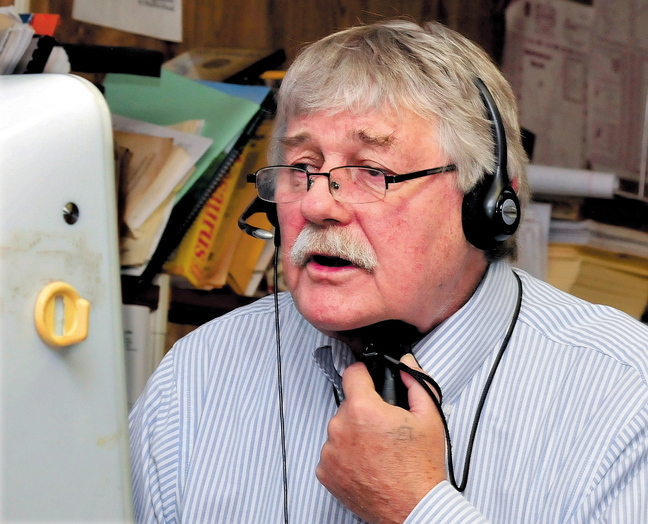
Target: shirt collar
{"x":333,"y":359}
{"x":458,"y":347}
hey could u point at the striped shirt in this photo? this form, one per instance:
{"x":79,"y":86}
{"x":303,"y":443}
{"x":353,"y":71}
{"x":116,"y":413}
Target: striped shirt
{"x":563,"y":436}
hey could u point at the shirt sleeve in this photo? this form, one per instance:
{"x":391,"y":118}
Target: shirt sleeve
{"x":619,"y":494}
{"x":631,"y":505}
{"x":615,"y":495}
{"x":445,"y":505}
{"x":154,"y":442}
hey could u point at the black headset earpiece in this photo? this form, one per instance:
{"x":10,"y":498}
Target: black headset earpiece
{"x":261,"y":206}
{"x":491,"y":210}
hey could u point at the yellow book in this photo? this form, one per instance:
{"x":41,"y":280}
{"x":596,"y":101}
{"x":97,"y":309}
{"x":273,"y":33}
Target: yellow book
{"x":246,"y":257}
{"x":253,"y":157}
{"x":215,"y":275}
{"x":196,"y":246}
{"x":244,"y":253}
{"x":600,"y":276}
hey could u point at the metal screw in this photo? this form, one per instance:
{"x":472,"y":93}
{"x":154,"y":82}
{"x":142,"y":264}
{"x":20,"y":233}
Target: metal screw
{"x":70,"y":213}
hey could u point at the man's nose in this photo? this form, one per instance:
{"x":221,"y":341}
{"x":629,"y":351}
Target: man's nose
{"x":323,"y":181}
{"x":318,"y":205}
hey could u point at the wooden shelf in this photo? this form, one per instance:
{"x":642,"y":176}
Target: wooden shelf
{"x":186,"y":306}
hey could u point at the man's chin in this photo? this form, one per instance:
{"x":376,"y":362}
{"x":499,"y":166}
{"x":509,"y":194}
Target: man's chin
{"x":334,"y":308}
{"x":336,"y":325}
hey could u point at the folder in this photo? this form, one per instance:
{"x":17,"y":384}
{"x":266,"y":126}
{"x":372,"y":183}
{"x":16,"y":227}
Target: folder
{"x":172,"y":98}
{"x":229,"y":122}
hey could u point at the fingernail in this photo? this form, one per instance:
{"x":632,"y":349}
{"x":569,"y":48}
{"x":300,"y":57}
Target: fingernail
{"x":410,"y":360}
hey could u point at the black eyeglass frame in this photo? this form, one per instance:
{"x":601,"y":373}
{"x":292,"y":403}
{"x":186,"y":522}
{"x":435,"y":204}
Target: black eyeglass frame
{"x":389,"y":179}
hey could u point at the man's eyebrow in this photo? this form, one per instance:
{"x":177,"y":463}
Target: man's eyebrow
{"x":363,"y":136}
{"x":294,"y":141}
{"x":371,"y":139}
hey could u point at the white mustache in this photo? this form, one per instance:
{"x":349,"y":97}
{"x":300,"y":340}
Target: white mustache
{"x":332,"y":241}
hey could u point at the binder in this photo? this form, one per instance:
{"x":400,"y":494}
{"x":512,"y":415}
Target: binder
{"x":188,"y":207}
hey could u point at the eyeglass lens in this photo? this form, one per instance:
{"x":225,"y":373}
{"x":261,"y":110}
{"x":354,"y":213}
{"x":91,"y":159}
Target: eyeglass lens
{"x":347,"y":184}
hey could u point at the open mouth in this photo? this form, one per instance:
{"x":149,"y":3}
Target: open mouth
{"x":330,"y":261}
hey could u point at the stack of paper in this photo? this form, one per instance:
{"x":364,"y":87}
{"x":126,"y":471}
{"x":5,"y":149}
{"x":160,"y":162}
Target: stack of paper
{"x":602,"y":263}
{"x":154,"y":163}
{"x":616,"y":239}
{"x":600,"y":276}
{"x":168,"y":175}
{"x":15,"y":38}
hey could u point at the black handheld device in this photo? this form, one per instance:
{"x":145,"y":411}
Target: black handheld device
{"x":383,"y":345}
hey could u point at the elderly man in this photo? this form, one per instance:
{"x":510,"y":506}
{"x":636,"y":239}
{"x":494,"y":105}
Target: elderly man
{"x":410,"y":375}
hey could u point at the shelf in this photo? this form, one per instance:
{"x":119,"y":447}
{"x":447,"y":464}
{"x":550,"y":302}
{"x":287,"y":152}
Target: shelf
{"x":186,"y":305}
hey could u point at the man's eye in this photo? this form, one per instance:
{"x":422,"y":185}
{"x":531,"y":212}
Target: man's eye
{"x":298,"y":178}
{"x":368,"y":174}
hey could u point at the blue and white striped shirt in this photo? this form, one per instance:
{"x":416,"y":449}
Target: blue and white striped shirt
{"x":563,"y":437}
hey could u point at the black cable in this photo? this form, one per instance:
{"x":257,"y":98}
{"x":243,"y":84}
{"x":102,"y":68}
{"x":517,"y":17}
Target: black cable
{"x":282,"y":423}
{"x":489,"y":381}
{"x":424,"y":380}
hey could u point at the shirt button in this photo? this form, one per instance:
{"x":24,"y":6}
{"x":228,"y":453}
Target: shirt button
{"x":447,"y":409}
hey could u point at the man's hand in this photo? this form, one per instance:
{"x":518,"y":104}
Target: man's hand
{"x":381,"y":460}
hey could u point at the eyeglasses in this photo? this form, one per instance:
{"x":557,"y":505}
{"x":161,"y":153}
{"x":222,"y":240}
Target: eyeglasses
{"x":348,"y":184}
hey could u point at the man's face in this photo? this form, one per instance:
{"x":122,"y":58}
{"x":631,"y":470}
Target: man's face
{"x":425,"y":269}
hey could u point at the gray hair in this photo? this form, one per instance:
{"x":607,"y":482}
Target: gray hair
{"x":429,"y":70}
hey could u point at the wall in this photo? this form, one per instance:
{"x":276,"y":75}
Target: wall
{"x":285,"y":23}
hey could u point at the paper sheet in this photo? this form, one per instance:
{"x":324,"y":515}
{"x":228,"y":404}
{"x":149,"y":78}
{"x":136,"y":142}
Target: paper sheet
{"x":533,"y":240}
{"x":545,"y":59}
{"x":156,"y":18}
{"x":580,"y":74}
{"x":617,"y":86}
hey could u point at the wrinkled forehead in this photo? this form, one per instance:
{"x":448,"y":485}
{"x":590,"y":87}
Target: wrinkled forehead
{"x":396,"y":142}
{"x":377,"y":128}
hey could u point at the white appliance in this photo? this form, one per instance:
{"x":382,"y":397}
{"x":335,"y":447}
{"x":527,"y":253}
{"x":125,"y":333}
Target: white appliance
{"x":63,"y":412}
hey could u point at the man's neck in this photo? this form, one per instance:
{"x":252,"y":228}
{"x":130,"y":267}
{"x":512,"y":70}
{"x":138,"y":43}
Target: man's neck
{"x":391,"y":337}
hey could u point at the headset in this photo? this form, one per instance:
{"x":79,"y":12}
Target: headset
{"x":490,"y":211}
{"x":270,"y":210}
